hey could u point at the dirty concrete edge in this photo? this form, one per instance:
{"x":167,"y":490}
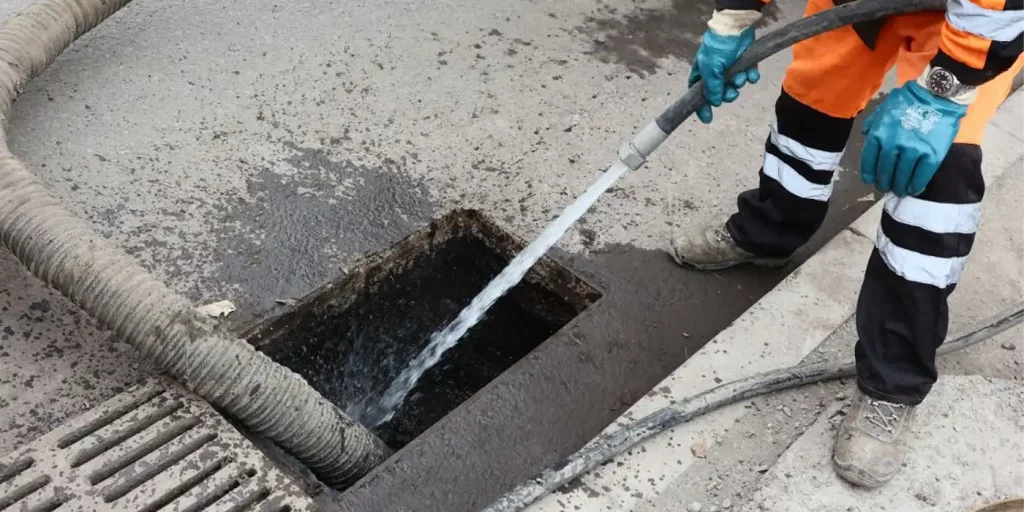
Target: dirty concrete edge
{"x":778,"y":331}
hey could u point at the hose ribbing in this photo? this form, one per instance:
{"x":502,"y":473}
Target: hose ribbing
{"x":70,"y":256}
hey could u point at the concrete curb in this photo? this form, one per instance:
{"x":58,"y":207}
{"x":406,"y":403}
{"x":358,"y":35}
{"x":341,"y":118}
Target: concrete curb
{"x":778,"y":331}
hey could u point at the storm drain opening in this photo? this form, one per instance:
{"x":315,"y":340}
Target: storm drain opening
{"x":352,"y":337}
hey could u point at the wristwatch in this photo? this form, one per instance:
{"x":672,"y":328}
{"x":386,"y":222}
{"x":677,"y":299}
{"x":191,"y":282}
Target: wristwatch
{"x":943,"y":83}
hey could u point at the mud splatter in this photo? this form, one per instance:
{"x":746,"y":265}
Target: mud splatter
{"x":639,"y":39}
{"x":307,"y":214}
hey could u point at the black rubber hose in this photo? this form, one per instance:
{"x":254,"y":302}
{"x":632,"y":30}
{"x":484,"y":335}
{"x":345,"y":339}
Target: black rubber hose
{"x":782,"y":38}
{"x":609,"y":445}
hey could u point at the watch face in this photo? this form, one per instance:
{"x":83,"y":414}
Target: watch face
{"x":941,"y":82}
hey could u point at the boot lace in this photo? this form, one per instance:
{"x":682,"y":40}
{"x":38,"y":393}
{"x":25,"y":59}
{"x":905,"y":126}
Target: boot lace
{"x":722,"y":237}
{"x":884,"y":415}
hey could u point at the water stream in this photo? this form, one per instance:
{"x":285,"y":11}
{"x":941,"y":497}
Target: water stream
{"x":373,"y":414}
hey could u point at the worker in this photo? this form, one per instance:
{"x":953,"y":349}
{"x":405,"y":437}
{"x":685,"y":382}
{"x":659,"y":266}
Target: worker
{"x":921,"y":150}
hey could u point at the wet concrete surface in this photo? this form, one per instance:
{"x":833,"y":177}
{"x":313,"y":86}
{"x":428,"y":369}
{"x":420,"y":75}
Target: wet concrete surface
{"x":640,"y":38}
{"x":320,"y":208}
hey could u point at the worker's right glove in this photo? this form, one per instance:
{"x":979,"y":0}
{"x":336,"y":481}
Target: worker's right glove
{"x":729,"y":34}
{"x":906,"y":139}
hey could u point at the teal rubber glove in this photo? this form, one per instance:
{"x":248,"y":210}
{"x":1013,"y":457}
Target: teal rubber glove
{"x":717,"y":53}
{"x":906,"y":139}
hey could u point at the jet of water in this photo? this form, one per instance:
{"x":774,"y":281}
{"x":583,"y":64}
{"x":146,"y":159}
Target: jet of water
{"x":441,"y":341}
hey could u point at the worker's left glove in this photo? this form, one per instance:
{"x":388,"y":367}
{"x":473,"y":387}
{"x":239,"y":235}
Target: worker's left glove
{"x":906,"y":139}
{"x":729,"y":34}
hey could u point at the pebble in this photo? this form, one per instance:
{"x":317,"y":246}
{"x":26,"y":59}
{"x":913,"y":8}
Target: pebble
{"x":694,"y":507}
{"x":1009,"y":346}
{"x":699,"y":449}
{"x":841,"y":396}
{"x":727,"y":504}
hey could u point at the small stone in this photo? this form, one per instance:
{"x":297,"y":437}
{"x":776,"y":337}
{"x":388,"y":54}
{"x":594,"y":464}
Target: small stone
{"x":926,"y":498}
{"x":217,"y":309}
{"x":726,"y":504}
{"x":1009,"y":346}
{"x":694,"y":507}
{"x":763,"y":468}
{"x":956,"y":428}
{"x":699,"y":449}
{"x":787,"y":411}
{"x":841,"y":396}
{"x":686,"y":335}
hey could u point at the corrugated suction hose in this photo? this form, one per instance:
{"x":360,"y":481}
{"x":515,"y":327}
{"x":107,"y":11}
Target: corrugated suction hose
{"x":69,"y":255}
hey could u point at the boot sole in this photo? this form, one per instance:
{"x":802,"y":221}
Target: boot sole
{"x":857,"y":477}
{"x":762,"y":262}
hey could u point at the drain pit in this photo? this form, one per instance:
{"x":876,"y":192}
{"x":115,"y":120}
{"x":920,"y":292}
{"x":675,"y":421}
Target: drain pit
{"x":352,"y":337}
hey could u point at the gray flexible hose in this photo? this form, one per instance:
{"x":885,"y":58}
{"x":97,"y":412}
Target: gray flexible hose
{"x":614,"y":443}
{"x":67,"y":254}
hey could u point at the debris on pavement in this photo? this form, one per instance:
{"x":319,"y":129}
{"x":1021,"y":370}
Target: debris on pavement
{"x":699,"y":449}
{"x":1009,"y":346}
{"x":694,"y":507}
{"x":217,"y":309}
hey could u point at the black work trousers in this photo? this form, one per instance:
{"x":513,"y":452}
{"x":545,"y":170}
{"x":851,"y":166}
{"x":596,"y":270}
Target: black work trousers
{"x":920,"y":250}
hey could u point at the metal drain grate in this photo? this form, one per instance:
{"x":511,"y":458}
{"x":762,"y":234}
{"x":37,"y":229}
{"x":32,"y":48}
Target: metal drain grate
{"x":154,"y":448}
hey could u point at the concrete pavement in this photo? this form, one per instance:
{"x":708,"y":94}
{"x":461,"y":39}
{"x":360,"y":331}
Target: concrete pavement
{"x":252,"y":153}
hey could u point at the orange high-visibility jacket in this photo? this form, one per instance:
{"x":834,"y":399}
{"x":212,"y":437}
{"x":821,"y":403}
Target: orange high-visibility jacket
{"x":980,"y":38}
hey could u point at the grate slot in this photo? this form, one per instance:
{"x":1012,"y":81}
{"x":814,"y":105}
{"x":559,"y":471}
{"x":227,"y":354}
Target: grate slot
{"x":186,"y":485}
{"x":23,"y":491}
{"x":218,"y":486}
{"x":274,"y":505}
{"x":110,"y":415}
{"x":15,"y":468}
{"x":147,"y":447}
{"x":104,"y":443}
{"x":246,"y":495}
{"x":49,"y":504}
{"x":128,"y":485}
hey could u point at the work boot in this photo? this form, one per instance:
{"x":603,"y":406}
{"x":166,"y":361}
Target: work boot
{"x":872,"y":441}
{"x":713,"y":248}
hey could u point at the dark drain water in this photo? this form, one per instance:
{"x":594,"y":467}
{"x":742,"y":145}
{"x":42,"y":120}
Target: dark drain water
{"x":351,"y":338}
